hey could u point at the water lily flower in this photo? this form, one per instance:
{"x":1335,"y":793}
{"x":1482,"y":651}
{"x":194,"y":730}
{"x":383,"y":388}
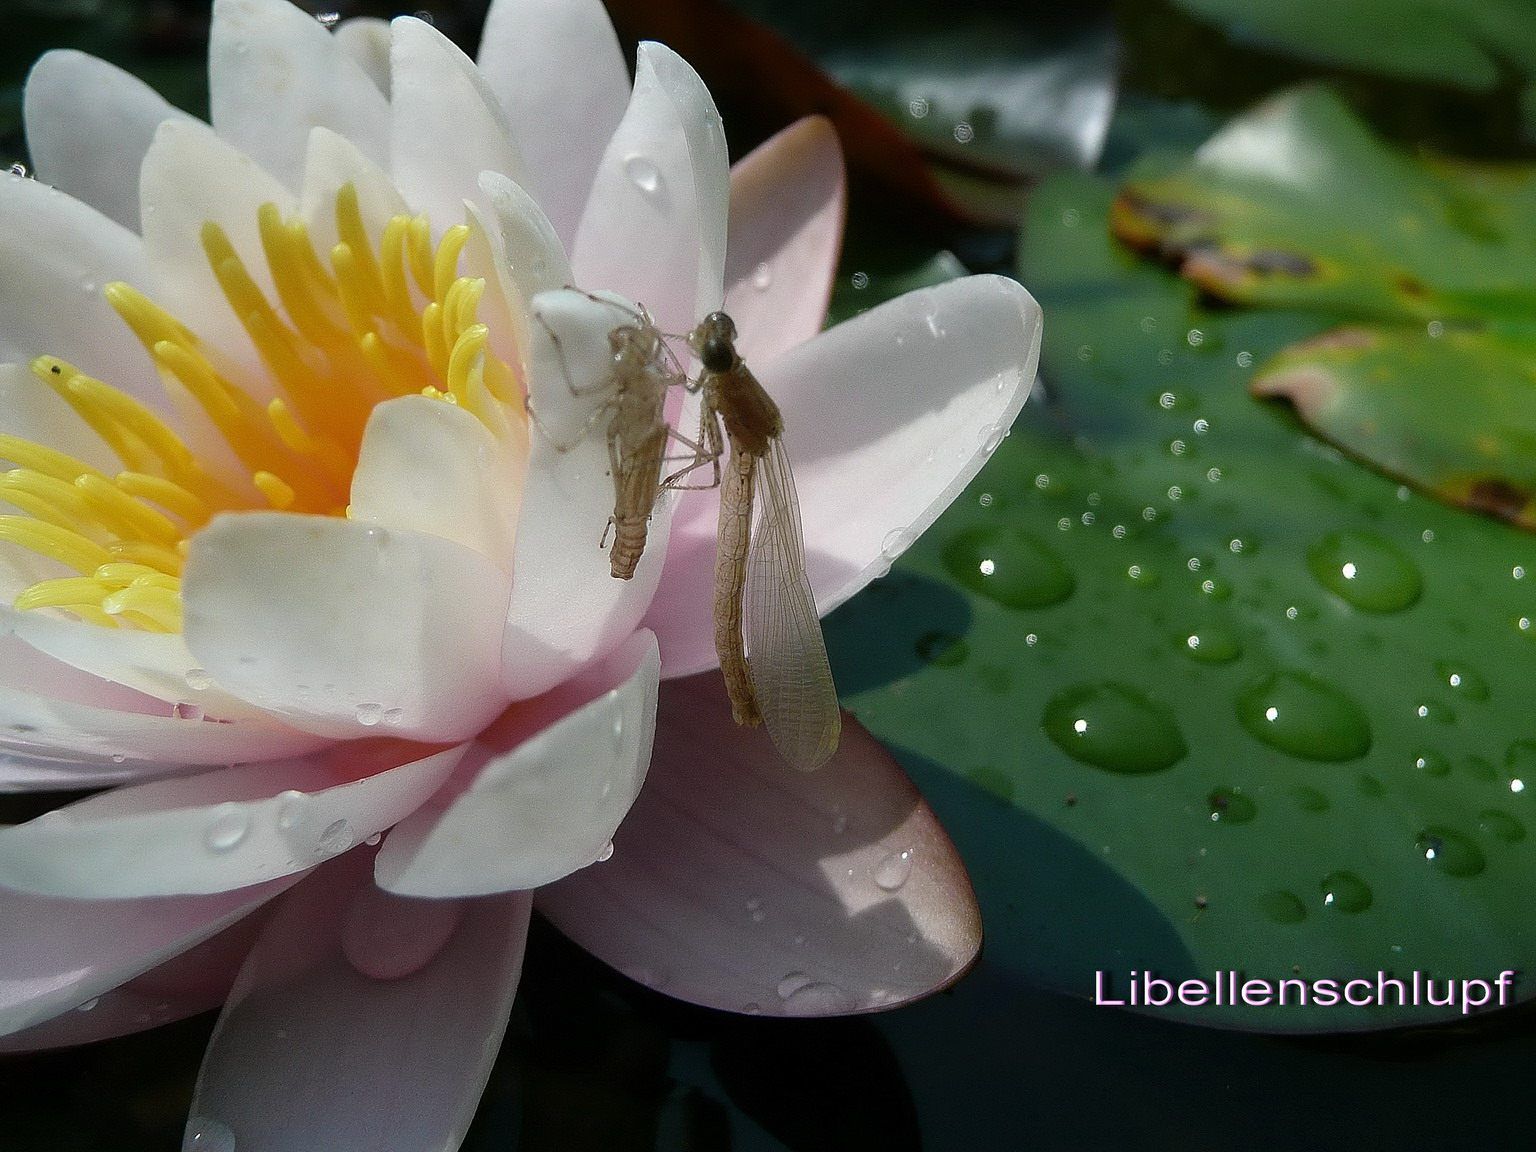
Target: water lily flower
{"x":289,"y":578}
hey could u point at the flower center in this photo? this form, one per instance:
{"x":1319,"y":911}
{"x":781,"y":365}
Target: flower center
{"x":378,"y":324}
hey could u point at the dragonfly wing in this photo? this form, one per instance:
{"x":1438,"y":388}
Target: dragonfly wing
{"x":785,"y":651}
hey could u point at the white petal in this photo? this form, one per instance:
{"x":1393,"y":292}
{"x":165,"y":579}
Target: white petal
{"x":366,"y":40}
{"x":446,"y":125}
{"x":566,"y":607}
{"x":225,"y":829}
{"x":56,"y":255}
{"x":336,"y":626}
{"x":531,"y":258}
{"x":557,"y":69}
{"x":655,"y":227}
{"x":539,"y":799}
{"x":331,"y":162}
{"x":274,"y":72}
{"x":191,"y":177}
{"x":886,"y":418}
{"x":313,"y":1054}
{"x":432,"y":467}
{"x":156,"y":664}
{"x":89,"y":124}
{"x":56,"y":954}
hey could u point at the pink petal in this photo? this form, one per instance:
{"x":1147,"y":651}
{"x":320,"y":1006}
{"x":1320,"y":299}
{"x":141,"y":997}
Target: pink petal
{"x":886,"y":418}
{"x":56,"y":254}
{"x":541,"y":792}
{"x":654,"y":229}
{"x":312,"y":1053}
{"x":274,"y":72}
{"x":566,"y":608}
{"x":787,"y":206}
{"x":446,"y":125}
{"x":336,"y":626}
{"x":556,"y":67}
{"x":56,"y":954}
{"x":89,"y":124}
{"x":224,"y":829}
{"x":195,"y":981}
{"x":740,"y":884}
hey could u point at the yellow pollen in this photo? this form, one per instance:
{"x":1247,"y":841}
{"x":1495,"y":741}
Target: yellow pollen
{"x":369,"y":322}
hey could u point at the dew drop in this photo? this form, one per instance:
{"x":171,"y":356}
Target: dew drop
{"x":369,"y":714}
{"x":893,"y":871}
{"x":198,"y":680}
{"x":606,"y":853}
{"x":1245,"y":359}
{"x":1462,"y":679}
{"x":328,"y":19}
{"x":919,"y":107}
{"x":964,"y":133}
{"x":290,"y":810}
{"x":1230,"y":806}
{"x":88,"y":1005}
{"x":393,"y":716}
{"x":19,"y":170}
{"x":859,"y":280}
{"x":1431,"y":763}
{"x":1435,"y":711}
{"x":807,"y":997}
{"x":208,"y":1135}
{"x":1501,"y":825}
{"x":1010,"y":566}
{"x":1365,"y":570}
{"x":1449,"y":851}
{"x":227,"y":829}
{"x":1211,"y":644}
{"x":336,"y":838}
{"x":1305,"y":716}
{"x":1115,"y":727}
{"x":643,"y":173}
{"x":762,"y":277}
{"x":1282,"y":907}
{"x":1345,"y":892}
{"x":896,"y":541}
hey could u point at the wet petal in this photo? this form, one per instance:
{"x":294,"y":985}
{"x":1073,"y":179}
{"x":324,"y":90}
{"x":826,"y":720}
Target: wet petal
{"x":541,"y":792}
{"x":787,"y":209}
{"x":886,"y":418}
{"x":739,"y":884}
{"x":313,"y":1053}
{"x":334,"y":625}
{"x":56,"y":254}
{"x":655,"y":227}
{"x":195,"y":981}
{"x":274,"y":72}
{"x":566,"y":608}
{"x":431,"y":467}
{"x":56,"y":954}
{"x":225,"y":829}
{"x":446,"y":125}
{"x":556,"y":68}
{"x":88,"y":125}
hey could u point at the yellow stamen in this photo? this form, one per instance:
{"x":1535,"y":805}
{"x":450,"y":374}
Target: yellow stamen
{"x":383,"y":320}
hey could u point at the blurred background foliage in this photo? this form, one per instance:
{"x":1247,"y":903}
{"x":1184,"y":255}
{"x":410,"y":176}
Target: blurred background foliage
{"x":1011,"y":135}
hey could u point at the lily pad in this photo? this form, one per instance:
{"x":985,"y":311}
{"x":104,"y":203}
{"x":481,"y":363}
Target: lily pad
{"x":1462,"y":43}
{"x":1297,"y":205}
{"x":1331,"y":762}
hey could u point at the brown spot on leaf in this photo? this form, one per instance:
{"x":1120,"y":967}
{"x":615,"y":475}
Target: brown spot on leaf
{"x":1411,"y":286}
{"x":1498,"y":498}
{"x":1307,"y":387}
{"x":1273,"y":262}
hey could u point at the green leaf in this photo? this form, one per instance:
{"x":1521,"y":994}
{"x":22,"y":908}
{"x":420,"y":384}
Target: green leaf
{"x":1462,"y":43}
{"x":1221,"y":563}
{"x":1298,"y":205}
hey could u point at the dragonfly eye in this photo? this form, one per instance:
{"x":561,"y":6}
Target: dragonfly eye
{"x":718,"y":354}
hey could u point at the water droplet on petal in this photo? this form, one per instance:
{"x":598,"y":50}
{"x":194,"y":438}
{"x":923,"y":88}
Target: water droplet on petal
{"x":818,"y":998}
{"x":227,"y":829}
{"x":198,"y":680}
{"x":606,"y":853}
{"x":762,"y":277}
{"x":893,"y":871}
{"x":88,"y":1005}
{"x":369,"y":714}
{"x":207,"y":1135}
{"x":896,"y":541}
{"x":643,"y":173}
{"x":336,"y":838}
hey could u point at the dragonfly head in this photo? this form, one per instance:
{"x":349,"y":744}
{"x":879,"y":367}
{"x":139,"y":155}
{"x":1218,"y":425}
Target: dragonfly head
{"x":714,"y":342}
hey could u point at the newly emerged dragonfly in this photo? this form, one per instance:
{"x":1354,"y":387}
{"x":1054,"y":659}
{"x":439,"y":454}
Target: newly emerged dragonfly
{"x":767,"y":633}
{"x":642,"y":370}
